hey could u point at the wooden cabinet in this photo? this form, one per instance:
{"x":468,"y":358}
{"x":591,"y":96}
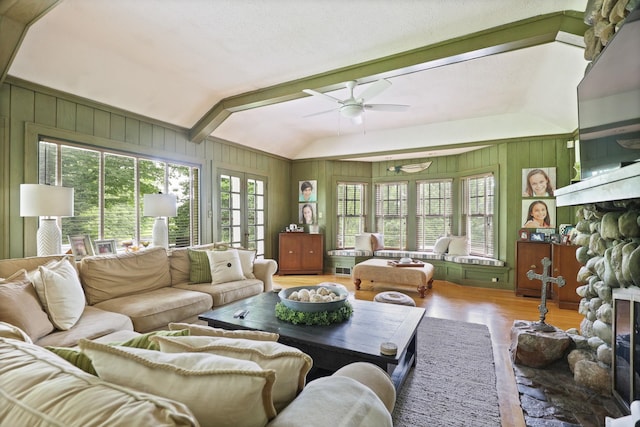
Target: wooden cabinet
{"x":565,"y":264}
{"x":529,"y":257}
{"x":300,"y":253}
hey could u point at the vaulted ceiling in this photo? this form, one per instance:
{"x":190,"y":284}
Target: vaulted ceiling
{"x":471,"y":71}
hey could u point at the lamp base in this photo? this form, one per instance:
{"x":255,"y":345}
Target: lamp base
{"x":49,"y":237}
{"x":160,"y":233}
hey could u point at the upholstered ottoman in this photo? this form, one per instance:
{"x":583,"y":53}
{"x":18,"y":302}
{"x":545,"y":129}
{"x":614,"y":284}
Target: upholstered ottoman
{"x":393,"y":297}
{"x":381,"y":270}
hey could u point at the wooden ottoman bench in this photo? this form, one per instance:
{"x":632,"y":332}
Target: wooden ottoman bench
{"x":382,"y":270}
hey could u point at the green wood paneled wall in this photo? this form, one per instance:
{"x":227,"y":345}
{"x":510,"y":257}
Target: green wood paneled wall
{"x":505,"y":158}
{"x":32,"y":111}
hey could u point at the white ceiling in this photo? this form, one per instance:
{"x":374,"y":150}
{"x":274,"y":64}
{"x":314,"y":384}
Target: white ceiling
{"x":174,"y":60}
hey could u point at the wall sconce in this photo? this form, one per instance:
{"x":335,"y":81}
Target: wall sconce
{"x":46,"y":201}
{"x":160,"y":206}
{"x":416,"y":167}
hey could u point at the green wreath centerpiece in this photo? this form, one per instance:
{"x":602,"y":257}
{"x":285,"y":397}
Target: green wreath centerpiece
{"x":322,"y":318}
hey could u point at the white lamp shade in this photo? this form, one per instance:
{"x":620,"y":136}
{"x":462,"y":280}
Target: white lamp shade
{"x":160,"y":205}
{"x":45,"y":200}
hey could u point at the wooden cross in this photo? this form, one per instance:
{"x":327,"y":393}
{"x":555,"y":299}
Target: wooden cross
{"x":546,"y":279}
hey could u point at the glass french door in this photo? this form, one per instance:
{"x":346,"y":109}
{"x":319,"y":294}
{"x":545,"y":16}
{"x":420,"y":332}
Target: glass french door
{"x":242,"y":210}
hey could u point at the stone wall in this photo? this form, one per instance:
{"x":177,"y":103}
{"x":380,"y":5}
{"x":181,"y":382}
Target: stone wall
{"x":609,"y":238}
{"x":604,"y":18}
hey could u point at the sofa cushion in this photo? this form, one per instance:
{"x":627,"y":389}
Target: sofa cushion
{"x":155,"y":309}
{"x":21,"y":307}
{"x":8,"y":330}
{"x":60,"y":292}
{"x":202,"y":330}
{"x":225,"y":266}
{"x":41,"y":389}
{"x":110,"y":276}
{"x":93,"y":323}
{"x":337,"y":401}
{"x":10,"y":265}
{"x":82,"y":361}
{"x":247,"y":257}
{"x":180,"y":264}
{"x":200,"y":271}
{"x":221,"y":391}
{"x":224,"y":293}
{"x":290,"y":364}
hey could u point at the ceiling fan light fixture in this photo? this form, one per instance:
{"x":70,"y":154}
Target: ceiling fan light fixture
{"x":351,"y":111}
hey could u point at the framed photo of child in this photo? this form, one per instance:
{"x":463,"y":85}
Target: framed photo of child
{"x":538,"y":213}
{"x":308,"y":191}
{"x":538,"y":182}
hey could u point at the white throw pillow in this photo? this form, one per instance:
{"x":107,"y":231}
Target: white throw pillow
{"x":221,"y":391}
{"x":459,"y":245}
{"x":60,"y":292}
{"x":247,"y":257}
{"x":225,"y":266}
{"x":363,"y":242}
{"x":208,"y":331}
{"x":290,"y":364}
{"x":441,"y":245}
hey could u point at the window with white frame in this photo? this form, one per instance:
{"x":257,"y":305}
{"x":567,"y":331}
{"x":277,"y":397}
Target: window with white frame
{"x":478,"y":213}
{"x":434,"y":212}
{"x":391,"y":214}
{"x":350,"y":213}
{"x":109,"y":188}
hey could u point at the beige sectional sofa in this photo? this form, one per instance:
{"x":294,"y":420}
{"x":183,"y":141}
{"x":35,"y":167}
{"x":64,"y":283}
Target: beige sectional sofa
{"x":127,"y":292}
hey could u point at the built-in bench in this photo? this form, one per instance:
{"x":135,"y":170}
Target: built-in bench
{"x":461,"y":269}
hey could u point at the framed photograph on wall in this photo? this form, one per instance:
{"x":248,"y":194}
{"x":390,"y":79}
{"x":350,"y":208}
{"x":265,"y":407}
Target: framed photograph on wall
{"x":105,"y":247}
{"x":308,"y":191}
{"x":80,"y":246}
{"x":538,"y":213}
{"x":307,"y":213}
{"x":538,"y":182}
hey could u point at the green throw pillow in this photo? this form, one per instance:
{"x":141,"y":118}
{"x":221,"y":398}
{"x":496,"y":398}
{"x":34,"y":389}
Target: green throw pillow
{"x":200,"y":271}
{"x":82,"y":361}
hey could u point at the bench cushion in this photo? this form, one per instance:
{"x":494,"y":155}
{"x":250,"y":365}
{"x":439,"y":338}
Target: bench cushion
{"x":470,"y":259}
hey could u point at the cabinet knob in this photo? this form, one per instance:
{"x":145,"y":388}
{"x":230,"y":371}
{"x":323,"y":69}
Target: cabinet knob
{"x":310,"y":252}
{"x":290,"y":252}
{"x":533,"y":266}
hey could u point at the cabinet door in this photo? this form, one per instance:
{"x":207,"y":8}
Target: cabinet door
{"x":290,"y":253}
{"x":312,"y":253}
{"x":529,"y":257}
{"x":566,"y":265}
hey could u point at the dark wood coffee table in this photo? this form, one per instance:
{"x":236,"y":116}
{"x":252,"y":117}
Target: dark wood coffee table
{"x":332,"y":347}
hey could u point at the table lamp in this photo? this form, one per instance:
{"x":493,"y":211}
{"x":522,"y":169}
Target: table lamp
{"x":46,"y":201}
{"x":160,"y":206}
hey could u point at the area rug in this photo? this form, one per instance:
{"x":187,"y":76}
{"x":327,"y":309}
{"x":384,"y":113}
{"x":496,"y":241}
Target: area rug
{"x":454,"y":380}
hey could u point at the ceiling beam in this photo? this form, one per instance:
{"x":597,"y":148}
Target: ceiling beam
{"x":506,"y":38}
{"x":16,"y":16}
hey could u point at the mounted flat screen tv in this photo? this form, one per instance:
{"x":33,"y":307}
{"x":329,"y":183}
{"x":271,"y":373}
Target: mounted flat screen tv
{"x":609,"y":104}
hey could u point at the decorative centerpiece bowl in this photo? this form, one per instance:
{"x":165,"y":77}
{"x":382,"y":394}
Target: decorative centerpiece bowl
{"x":312,"y":307}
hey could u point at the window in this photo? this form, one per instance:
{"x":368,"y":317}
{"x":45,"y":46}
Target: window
{"x":434,"y":212}
{"x":391,"y":214}
{"x":109,"y":189}
{"x":351,"y":216}
{"x":242,"y":211}
{"x":479,"y":199}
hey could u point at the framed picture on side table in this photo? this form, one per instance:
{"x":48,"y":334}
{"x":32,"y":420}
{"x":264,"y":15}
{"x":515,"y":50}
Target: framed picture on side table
{"x":80,"y":245}
{"x":523,"y":234}
{"x":105,"y":247}
{"x":537,"y":237}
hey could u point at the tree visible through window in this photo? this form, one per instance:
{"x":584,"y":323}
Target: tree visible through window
{"x":391,"y":214}
{"x":350,"y":213}
{"x":109,"y":189}
{"x":434,"y":214}
{"x":479,"y":199}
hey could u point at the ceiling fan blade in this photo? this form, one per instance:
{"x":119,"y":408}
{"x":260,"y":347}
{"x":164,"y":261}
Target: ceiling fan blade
{"x":333,"y":110}
{"x":322,"y":95}
{"x":386,"y":107}
{"x":374,"y":89}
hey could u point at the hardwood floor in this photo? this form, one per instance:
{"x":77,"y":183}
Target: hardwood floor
{"x":495,"y":308}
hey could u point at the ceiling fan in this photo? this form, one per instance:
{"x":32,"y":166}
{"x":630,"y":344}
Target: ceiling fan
{"x":352,"y":107}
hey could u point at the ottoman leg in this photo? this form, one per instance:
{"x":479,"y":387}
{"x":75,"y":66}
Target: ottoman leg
{"x":422,"y":290}
{"x":430,"y":284}
{"x":357,"y":283}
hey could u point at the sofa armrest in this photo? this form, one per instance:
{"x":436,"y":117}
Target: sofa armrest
{"x":264,"y":269}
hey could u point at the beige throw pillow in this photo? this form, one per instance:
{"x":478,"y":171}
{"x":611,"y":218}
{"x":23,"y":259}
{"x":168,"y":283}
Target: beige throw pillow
{"x":60,"y":292}
{"x":363,"y":242}
{"x":21,"y":307}
{"x":202,"y":330}
{"x":225,"y":266}
{"x":221,"y":391}
{"x":459,"y":245}
{"x":8,"y":330}
{"x":290,"y":364}
{"x":442,"y":245}
{"x":247,"y":257}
